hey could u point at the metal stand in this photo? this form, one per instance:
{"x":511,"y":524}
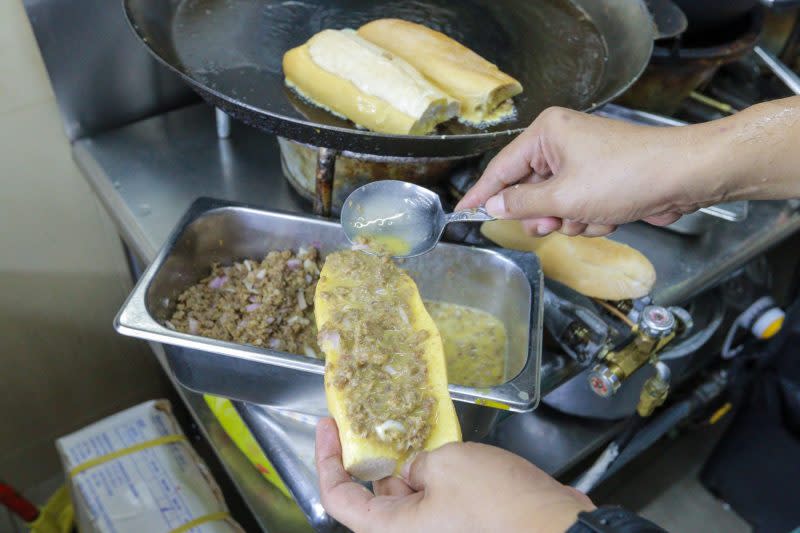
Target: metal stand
{"x":223,"y":123}
{"x":326,"y":166}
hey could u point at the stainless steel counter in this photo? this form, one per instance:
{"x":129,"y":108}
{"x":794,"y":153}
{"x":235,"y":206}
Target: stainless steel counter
{"x":147,"y":174}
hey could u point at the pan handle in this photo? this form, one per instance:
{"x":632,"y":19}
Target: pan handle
{"x":669,"y":19}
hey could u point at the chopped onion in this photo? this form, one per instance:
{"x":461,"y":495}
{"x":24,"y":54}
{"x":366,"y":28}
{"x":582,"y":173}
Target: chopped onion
{"x":253,"y":299}
{"x":252,"y":307}
{"x":247,"y":265}
{"x":403,"y":315}
{"x":194,"y":326}
{"x":165,"y":302}
{"x":274,"y":343}
{"x":248,"y":285}
{"x":301,"y":301}
{"x":310,"y":266}
{"x":269,"y":320}
{"x":293,"y":319}
{"x":360,"y":247}
{"x":392,"y":371}
{"x":302,"y":250}
{"x":242,"y":323}
{"x":382,"y":430}
{"x":261,"y":274}
{"x":217,"y":282}
{"x":330,"y":339}
{"x":380,"y":290}
{"x":293,"y":264}
{"x":309,"y":279}
{"x":310,"y":351}
{"x":169,"y":325}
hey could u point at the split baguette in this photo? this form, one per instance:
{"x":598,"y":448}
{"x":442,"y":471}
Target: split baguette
{"x":369,"y":458}
{"x":351,"y":77}
{"x":481,"y":88}
{"x":596,"y":267}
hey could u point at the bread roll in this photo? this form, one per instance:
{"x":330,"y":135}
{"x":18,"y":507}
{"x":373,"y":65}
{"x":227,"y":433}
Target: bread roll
{"x":481,"y":88}
{"x":596,"y":267}
{"x":353,"y":78}
{"x":385,"y":369}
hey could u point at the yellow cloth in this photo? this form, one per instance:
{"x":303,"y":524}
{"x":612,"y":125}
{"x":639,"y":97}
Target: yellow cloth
{"x":56,"y":516}
{"x":237,"y":430}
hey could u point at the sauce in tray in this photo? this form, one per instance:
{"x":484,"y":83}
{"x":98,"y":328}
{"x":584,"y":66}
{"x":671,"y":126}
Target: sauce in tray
{"x":474,"y":344}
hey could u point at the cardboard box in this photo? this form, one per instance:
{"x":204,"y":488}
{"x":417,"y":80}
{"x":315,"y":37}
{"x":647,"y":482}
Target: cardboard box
{"x":135,"y":471}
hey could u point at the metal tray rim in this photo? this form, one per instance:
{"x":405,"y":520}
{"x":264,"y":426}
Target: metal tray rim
{"x":519,"y":394}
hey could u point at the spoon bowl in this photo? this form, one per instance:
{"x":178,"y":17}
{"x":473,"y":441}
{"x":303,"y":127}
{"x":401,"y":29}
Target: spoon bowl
{"x":398,"y":218}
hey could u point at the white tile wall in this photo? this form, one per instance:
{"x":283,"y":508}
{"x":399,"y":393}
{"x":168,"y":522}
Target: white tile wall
{"x":62,"y":278}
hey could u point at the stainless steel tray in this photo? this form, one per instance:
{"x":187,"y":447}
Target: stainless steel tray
{"x":505,"y":283}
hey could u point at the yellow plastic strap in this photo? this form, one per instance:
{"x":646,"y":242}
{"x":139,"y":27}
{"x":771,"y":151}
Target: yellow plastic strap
{"x":213,"y":517}
{"x":169,"y":439}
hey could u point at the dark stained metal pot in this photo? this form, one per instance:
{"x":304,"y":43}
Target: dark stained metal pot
{"x":711,"y":15}
{"x":301,"y":162}
{"x":781,"y":35}
{"x":680,"y":66}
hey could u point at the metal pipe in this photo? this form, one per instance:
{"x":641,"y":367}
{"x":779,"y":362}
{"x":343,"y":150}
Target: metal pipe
{"x":223,"y":123}
{"x":784,"y":73}
{"x":662,"y":371}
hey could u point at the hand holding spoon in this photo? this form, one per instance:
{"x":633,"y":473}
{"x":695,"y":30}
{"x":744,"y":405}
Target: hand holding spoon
{"x":399,"y":219}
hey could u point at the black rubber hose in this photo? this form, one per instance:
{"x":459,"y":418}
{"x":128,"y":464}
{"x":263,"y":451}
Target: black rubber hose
{"x":648,"y":435}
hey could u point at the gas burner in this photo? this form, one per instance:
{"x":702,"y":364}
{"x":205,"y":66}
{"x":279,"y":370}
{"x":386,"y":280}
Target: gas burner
{"x":326,"y":177}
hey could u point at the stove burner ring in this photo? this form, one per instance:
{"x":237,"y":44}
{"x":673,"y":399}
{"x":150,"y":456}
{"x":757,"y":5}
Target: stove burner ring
{"x":326,"y":177}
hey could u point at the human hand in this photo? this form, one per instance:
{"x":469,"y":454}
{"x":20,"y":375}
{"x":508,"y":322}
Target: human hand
{"x":460,"y":487}
{"x":583,"y":174}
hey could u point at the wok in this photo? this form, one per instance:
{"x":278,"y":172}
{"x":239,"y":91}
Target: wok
{"x":715,"y":15}
{"x":574,"y":53}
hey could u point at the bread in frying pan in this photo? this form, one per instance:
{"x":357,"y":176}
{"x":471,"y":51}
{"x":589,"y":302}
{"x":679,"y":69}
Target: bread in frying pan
{"x":480,"y":87}
{"x":351,"y":77}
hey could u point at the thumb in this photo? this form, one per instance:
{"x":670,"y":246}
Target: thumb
{"x":416,"y":471}
{"x":527,"y":200}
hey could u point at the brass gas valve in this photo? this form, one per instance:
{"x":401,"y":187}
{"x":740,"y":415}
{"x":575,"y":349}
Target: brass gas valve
{"x":656,"y":328}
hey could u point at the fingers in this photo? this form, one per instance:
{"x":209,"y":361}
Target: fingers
{"x":527,"y":200}
{"x":345,"y":500}
{"x":598,"y":230}
{"x":415,"y":473}
{"x":508,"y":167}
{"x":663,"y":219}
{"x":391,"y":486}
{"x":572,"y":228}
{"x":539,"y":227}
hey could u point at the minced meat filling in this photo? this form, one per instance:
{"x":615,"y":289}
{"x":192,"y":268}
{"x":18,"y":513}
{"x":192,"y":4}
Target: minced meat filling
{"x":381,"y":366}
{"x":267,"y":303}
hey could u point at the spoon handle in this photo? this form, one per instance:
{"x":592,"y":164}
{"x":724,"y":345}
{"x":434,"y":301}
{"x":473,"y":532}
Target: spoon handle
{"x":476,"y":214}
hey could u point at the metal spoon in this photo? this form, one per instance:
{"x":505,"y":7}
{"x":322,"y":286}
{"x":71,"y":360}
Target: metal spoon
{"x":406,"y":219}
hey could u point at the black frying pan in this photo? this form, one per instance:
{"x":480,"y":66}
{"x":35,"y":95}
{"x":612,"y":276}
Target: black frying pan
{"x":574,"y":53}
